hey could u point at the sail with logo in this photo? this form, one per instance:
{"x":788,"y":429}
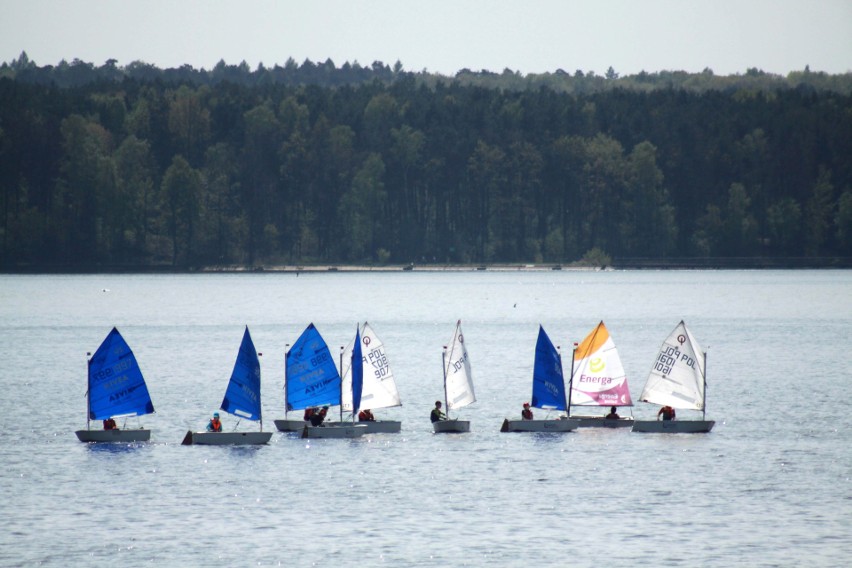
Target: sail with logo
{"x":458,"y":383}
{"x":311,"y":378}
{"x":379,"y":386}
{"x":598,"y":380}
{"x":116,"y":388}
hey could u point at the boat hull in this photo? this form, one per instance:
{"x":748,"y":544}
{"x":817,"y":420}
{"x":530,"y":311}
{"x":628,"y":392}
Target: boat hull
{"x":285,"y":425}
{"x":559,"y":425}
{"x":601,"y":422}
{"x":226,"y":438}
{"x":376,"y":427}
{"x":449,"y":426}
{"x":137,"y":435}
{"x":673,"y":426}
{"x":351,"y":431}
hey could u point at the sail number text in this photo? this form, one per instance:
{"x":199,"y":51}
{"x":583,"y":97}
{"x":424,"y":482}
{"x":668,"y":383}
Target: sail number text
{"x":669,"y":356}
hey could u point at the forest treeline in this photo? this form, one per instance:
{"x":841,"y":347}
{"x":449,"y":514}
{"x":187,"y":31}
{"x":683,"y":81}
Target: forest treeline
{"x":140,"y":167}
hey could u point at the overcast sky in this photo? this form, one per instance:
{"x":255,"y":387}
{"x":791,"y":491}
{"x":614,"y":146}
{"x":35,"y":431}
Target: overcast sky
{"x":443,"y":36}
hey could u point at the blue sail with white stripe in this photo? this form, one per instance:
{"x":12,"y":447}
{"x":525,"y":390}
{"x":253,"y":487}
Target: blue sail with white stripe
{"x":116,"y":384}
{"x":242,"y":398}
{"x":311,"y":376}
{"x":548,"y":390}
{"x":357,"y":373}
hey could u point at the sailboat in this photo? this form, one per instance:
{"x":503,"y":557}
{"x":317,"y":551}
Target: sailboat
{"x":312,"y":380}
{"x":598,"y":380}
{"x":678,"y":379}
{"x":379,"y":387}
{"x":548,"y":392}
{"x":458,"y":383}
{"x":242,"y":399}
{"x":116,"y":388}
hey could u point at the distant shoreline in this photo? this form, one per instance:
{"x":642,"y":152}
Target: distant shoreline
{"x":621,"y":264}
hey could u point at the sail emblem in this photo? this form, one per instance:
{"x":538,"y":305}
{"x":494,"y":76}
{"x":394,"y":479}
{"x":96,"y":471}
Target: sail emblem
{"x":366,"y":341}
{"x":597,"y":365}
{"x":681,"y":339}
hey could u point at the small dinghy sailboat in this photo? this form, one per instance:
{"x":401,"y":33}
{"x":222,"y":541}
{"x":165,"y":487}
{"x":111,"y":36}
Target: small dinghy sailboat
{"x":242,"y":399}
{"x":548,"y":392}
{"x":458,"y":383}
{"x":312,"y":381}
{"x":598,"y":380}
{"x":356,"y":382}
{"x":379,"y":388}
{"x":116,"y":388}
{"x":677,"y":380}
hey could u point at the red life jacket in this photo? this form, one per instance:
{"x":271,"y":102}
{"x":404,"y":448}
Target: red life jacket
{"x":527,"y":414}
{"x":217,"y":426}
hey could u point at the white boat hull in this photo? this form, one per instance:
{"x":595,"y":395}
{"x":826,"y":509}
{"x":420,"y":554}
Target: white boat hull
{"x":226,"y":438}
{"x":376,"y":427}
{"x":137,"y":435}
{"x":559,"y":425}
{"x":673,"y":426}
{"x":351,"y":431}
{"x":285,"y":425}
{"x":601,"y":422}
{"x":458,"y":426}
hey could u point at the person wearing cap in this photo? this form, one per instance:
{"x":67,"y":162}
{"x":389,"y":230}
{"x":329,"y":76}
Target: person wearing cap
{"x":318,"y":417}
{"x":437,"y":415}
{"x":526,"y":413}
{"x":366,"y":416}
{"x":214,"y":425}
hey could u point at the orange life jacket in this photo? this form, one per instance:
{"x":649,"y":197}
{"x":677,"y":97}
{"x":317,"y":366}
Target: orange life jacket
{"x":217,"y":425}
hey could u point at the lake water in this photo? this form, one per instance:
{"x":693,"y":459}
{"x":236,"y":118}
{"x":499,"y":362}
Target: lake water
{"x":769,"y":486}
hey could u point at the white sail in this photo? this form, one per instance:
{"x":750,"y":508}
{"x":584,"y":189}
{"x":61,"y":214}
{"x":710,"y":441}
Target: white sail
{"x":379,"y":389}
{"x":598,"y":376}
{"x":677,"y":377}
{"x":458,"y":381}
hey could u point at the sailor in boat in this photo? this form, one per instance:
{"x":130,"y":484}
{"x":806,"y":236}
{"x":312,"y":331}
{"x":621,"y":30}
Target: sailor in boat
{"x":109,"y":424}
{"x":309,"y":411}
{"x":366,"y":416}
{"x":526,"y":413}
{"x":437,"y":415}
{"x":613,"y":415}
{"x":318,"y":417}
{"x":667,"y":412}
{"x":214,"y":425}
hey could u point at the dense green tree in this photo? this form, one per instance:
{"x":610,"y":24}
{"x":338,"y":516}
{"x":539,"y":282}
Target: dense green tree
{"x":181,"y":196}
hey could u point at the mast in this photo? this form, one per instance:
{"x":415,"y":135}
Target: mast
{"x":88,"y":387}
{"x":259,"y":408}
{"x":286,"y":372}
{"x":704,"y":392}
{"x":571,"y":380}
{"x":341,"y":385}
{"x":559,"y":357}
{"x":444,"y":368}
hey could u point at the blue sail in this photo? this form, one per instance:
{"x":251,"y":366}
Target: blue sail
{"x":357,"y":373}
{"x":312,"y":378}
{"x":242,"y":398}
{"x":116,"y":385}
{"x":548,"y":381}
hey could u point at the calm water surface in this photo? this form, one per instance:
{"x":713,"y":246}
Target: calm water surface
{"x":770,"y":486}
